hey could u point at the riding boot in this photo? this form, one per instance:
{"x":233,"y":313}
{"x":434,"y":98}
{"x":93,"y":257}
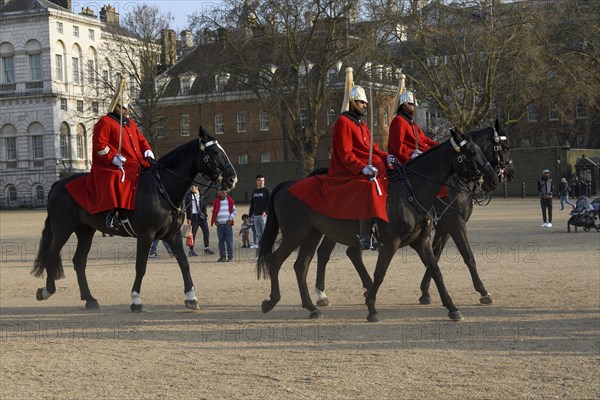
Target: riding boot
{"x":112,"y":219}
{"x":365,"y":237}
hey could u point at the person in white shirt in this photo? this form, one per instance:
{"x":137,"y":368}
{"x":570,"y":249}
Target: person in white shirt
{"x":223,"y":214}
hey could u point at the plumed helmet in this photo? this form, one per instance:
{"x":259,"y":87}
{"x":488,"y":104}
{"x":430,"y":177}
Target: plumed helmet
{"x":121,"y":96}
{"x":358,"y":93}
{"x":408,"y":97}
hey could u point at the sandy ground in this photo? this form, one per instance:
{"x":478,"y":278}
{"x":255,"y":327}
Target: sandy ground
{"x":539,"y":340}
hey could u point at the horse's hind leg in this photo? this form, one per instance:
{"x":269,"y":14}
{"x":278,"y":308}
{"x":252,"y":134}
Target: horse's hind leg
{"x":85,"y":236}
{"x":355,"y":255}
{"x":274,"y":262}
{"x":48,"y":259}
{"x":305,"y":255}
{"x":323,"y":255}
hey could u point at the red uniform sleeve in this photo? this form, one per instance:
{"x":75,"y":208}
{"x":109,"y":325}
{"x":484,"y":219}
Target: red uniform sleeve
{"x":100,"y":142}
{"x":425,"y":143}
{"x":396,"y":140}
{"x":144,"y":145}
{"x":342,"y":146}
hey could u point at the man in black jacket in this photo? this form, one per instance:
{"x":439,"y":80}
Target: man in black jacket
{"x":545,"y":187}
{"x":258,"y":208}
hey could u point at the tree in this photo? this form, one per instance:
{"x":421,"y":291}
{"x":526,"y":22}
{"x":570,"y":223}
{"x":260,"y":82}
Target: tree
{"x":137,"y":44}
{"x":285,"y":52}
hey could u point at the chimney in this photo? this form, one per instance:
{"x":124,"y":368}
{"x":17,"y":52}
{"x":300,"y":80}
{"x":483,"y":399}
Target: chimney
{"x":88,"y":12}
{"x":168,"y":42}
{"x":187,"y":39}
{"x":63,"y":3}
{"x":109,"y":15}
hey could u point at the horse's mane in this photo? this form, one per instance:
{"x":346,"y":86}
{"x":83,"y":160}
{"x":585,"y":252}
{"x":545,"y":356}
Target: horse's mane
{"x":179,"y":153}
{"x":429,"y":153}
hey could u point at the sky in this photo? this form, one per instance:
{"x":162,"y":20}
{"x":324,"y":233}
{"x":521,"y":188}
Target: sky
{"x":179,"y":8}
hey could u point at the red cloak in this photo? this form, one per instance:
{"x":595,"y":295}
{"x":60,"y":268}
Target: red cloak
{"x":401,"y":139}
{"x":345,"y":193}
{"x":102,"y":188}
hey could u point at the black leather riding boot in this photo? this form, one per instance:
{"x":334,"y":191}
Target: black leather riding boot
{"x":365,"y":237}
{"x":112,"y":219}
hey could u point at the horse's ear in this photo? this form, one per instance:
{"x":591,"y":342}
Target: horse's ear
{"x":497,"y":125}
{"x":202,"y":134}
{"x":457,"y":134}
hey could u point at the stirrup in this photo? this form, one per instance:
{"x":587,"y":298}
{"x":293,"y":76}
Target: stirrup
{"x":367,"y":242}
{"x":112,"y":221}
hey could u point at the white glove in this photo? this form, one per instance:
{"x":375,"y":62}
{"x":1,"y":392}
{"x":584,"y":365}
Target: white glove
{"x":390,"y":159}
{"x":415,"y":154}
{"x":148,"y":154}
{"x":369,"y":170}
{"x":119,"y":160}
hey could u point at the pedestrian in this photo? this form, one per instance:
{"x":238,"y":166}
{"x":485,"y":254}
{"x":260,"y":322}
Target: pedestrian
{"x":153,"y":247}
{"x":575,"y":189}
{"x":119,"y":152}
{"x":355,"y":188}
{"x":563,"y":192}
{"x":545,"y":187}
{"x":245,"y":231}
{"x":196,"y":214}
{"x":223,"y":214}
{"x":258,"y":208}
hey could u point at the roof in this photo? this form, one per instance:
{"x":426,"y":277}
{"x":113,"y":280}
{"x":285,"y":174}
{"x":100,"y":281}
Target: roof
{"x":16,"y":6}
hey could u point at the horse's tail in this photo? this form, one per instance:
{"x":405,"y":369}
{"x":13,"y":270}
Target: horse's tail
{"x":43,"y":260}
{"x":269,"y":235}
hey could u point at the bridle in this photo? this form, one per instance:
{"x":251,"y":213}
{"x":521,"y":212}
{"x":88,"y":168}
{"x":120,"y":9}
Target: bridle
{"x":206,"y":158}
{"x":500,"y":148}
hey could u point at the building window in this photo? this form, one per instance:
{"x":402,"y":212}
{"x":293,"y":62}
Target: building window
{"x":91,"y":34}
{"x":265,"y":157}
{"x":160,"y":127}
{"x":553,"y":114}
{"x":37,"y":147}
{"x":64,"y":146}
{"x":75,"y":31}
{"x":375,"y":116}
{"x":219,"y":124}
{"x":12,"y":194}
{"x":40,"y":196}
{"x":75,"y":69}
{"x":91,"y":71}
{"x":35,"y":65}
{"x":241,"y":121}
{"x":11,"y":148}
{"x":59,"y":67}
{"x":185,"y":85}
{"x":532,"y":112}
{"x":580,"y":111}
{"x":95,"y":107}
{"x":59,"y":27}
{"x":79,"y":147}
{"x":63,"y":104}
{"x":221,"y":81}
{"x":242,"y":159}
{"x":303,"y":117}
{"x":386,"y":116}
{"x":105,"y":81}
{"x":8,"y":69}
{"x":264,"y":121}
{"x":331,"y":115}
{"x":184,"y":124}
{"x":80,"y":105}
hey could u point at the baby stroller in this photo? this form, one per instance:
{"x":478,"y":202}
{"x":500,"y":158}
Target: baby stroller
{"x":585,"y":214}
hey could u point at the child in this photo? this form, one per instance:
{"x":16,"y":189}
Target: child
{"x":245,"y":231}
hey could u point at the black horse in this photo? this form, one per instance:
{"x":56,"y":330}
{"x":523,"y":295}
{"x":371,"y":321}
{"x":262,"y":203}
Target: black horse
{"x":410,"y":197}
{"x":454,"y":211}
{"x":158,"y":215}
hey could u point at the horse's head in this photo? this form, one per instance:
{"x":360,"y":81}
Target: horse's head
{"x":214,"y":163}
{"x":470,"y":162}
{"x":494,"y":145}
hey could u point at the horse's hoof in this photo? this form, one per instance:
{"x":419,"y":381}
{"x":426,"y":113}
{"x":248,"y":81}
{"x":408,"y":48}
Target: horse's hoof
{"x":373,"y":318}
{"x":38,"y":295}
{"x":323,"y":302}
{"x":316,"y":315}
{"x":425,"y":300}
{"x":455,"y":316}
{"x":92,"y":305}
{"x":192,"y":304}
{"x":487,"y":299}
{"x":266,"y":306}
{"x":137,"y":308}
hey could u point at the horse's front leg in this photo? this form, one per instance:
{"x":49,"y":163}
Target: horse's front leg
{"x":459,"y":235}
{"x":425,"y":252}
{"x":386,"y":252}
{"x":176,"y":244}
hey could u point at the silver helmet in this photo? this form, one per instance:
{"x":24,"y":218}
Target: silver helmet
{"x":408,"y":97}
{"x":358,"y":93}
